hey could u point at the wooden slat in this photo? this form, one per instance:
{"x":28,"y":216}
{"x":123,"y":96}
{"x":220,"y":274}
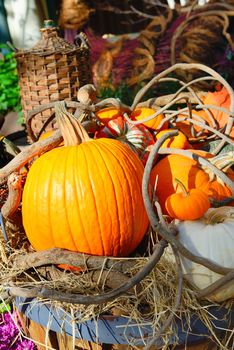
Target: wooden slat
{"x":61,"y":341}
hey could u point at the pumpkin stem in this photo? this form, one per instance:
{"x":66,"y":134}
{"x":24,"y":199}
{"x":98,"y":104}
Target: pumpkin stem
{"x":219,"y":215}
{"x":72,"y":131}
{"x":182,"y":186}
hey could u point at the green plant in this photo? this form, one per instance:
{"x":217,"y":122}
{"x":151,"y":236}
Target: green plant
{"x":9,"y":88}
{"x":124,"y":92}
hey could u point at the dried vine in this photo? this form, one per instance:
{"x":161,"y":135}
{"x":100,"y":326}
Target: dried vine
{"x":189,"y":66}
{"x":42,"y":292}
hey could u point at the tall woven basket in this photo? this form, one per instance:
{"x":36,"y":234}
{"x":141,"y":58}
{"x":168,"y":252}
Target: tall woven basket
{"x":52,"y":70}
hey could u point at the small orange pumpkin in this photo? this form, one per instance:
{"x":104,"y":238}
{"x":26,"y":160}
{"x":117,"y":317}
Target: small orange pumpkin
{"x":106,"y":114}
{"x":178,"y":141}
{"x":141,"y":113}
{"x":191,"y":174}
{"x":187,"y":205}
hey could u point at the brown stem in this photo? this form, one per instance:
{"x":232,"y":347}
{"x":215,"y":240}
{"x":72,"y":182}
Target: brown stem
{"x":195,"y":95}
{"x":163,"y":100}
{"x":196,"y":121}
{"x":154,"y":115}
{"x":111,"y":279}
{"x":157,"y":226}
{"x":69,"y":104}
{"x":71,"y":128}
{"x":113,"y":102}
{"x":94,"y":299}
{"x":218,"y":108}
{"x":224,"y":138}
{"x":183,"y":66}
{"x":11,"y":205}
{"x":87,"y":94}
{"x":102,"y":278}
{"x":10,"y":209}
{"x":29,"y":153}
{"x":182,"y":186}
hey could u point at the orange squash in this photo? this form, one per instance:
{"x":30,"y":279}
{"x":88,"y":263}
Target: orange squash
{"x":144,"y":112}
{"x":85,"y":197}
{"x":191,"y":174}
{"x":178,"y":141}
{"x":219,"y":98}
{"x":104,"y":115}
{"x":187,"y":205}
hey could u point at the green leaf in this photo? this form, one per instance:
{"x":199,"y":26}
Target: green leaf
{"x":4,"y":308}
{"x":9,"y":89}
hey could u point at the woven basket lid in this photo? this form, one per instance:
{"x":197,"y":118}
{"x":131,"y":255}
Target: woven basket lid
{"x":51,"y":43}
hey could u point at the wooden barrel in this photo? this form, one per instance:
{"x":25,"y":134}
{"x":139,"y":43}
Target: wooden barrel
{"x":45,"y":339}
{"x":53,"y":328}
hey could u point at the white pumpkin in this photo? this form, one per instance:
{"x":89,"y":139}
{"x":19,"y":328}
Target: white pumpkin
{"x":211,"y":237}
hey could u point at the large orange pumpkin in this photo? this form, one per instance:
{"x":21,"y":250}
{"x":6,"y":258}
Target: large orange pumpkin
{"x":85,"y":197}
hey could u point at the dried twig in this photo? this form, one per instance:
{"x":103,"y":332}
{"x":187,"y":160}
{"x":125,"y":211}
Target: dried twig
{"x":93,"y":299}
{"x":189,"y":66}
{"x":214,"y":287}
{"x":57,"y":256}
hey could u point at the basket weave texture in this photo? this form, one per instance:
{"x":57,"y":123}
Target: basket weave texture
{"x":52,"y":70}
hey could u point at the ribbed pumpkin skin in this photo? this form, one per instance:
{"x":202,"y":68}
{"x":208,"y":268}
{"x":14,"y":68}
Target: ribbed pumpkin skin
{"x":179,"y":167}
{"x":187,"y":207}
{"x":178,"y":141}
{"x":189,"y":173}
{"x":144,"y":112}
{"x":86,"y":198}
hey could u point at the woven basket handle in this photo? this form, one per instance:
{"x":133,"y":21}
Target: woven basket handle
{"x":82,"y":38}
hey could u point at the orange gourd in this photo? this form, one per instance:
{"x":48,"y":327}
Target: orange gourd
{"x":178,"y":141}
{"x":191,"y":174}
{"x":187,"y":205}
{"x":85,"y":197}
{"x":145,"y":112}
{"x":104,"y":115}
{"x":219,"y":98}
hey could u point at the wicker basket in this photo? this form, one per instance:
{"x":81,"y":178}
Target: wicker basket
{"x":52,"y":70}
